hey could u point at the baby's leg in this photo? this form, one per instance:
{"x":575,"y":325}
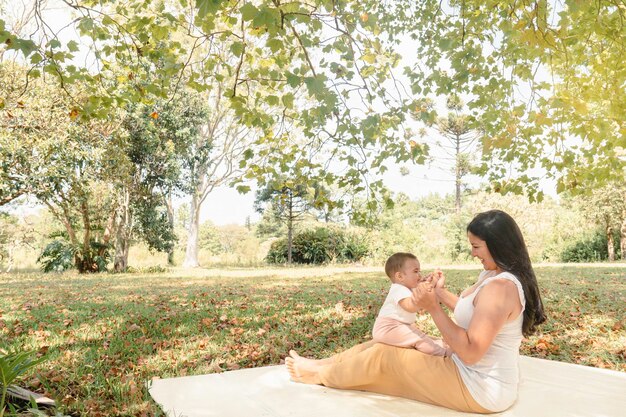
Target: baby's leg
{"x":395,"y":333}
{"x":427,"y":344}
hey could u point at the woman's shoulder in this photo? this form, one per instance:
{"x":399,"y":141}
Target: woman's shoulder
{"x":508,"y":281}
{"x":500,"y":276}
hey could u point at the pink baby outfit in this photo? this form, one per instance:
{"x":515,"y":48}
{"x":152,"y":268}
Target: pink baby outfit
{"x":396,"y":326}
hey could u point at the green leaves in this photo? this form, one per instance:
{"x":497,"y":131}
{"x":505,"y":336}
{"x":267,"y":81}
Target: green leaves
{"x":316,"y":85}
{"x":54,"y":43}
{"x":243,"y":189}
{"x":25,"y":46}
{"x":13,"y":365}
{"x":86,"y":24}
{"x":248,"y":11}
{"x":206,"y":7}
{"x":293,"y":80}
{"x":72,"y":46}
{"x":267,"y":17}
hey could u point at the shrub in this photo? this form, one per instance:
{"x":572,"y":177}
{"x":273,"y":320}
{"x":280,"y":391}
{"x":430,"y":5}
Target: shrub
{"x":12,"y":366}
{"x":60,"y":255}
{"x":278,"y":252}
{"x":57,"y":256}
{"x":319,"y":246}
{"x":589,"y":249}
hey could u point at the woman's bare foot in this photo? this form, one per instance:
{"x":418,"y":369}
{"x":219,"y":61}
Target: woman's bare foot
{"x":296,"y":357}
{"x":306,"y":372}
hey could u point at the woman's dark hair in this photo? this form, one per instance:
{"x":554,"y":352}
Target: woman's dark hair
{"x":508,"y":250}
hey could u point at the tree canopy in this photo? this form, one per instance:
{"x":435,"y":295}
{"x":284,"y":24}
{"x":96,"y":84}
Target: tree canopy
{"x":323,"y":86}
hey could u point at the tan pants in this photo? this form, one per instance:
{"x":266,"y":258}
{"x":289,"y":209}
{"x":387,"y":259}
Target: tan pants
{"x":400,"y":372}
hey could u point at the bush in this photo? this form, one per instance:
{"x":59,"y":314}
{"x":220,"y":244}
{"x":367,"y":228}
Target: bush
{"x":278,"y":252}
{"x":319,"y":246}
{"x":590,"y":249}
{"x":60,"y":255}
{"x":57,"y":256}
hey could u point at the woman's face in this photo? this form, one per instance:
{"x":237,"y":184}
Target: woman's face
{"x":480,"y":251}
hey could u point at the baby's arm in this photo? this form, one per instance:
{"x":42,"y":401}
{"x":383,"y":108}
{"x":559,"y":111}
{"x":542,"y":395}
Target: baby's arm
{"x":408,"y":304}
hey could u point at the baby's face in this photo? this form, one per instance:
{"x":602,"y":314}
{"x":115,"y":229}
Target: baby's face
{"x":411,"y":273}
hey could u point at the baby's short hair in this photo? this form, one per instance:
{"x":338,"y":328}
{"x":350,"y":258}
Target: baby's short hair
{"x":396,"y":262}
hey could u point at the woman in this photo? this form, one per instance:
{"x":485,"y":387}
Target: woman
{"x":493,"y":315}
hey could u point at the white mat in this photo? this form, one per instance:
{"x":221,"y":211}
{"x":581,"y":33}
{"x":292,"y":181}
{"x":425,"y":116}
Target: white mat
{"x":548,"y":388}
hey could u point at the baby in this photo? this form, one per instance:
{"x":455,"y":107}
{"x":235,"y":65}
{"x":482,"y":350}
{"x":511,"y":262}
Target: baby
{"x":395,"y":324}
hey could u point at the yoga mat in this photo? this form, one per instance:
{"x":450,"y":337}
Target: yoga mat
{"x":548,"y":388}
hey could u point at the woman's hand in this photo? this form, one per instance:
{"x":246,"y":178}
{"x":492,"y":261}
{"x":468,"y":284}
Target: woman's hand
{"x":424,"y":296}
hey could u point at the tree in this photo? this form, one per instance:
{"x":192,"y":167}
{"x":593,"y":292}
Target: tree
{"x":15,"y":233}
{"x":60,"y":160}
{"x":288,"y":201}
{"x":213,"y":158}
{"x":158,"y":141}
{"x":209,"y":238}
{"x":544,"y":81}
{"x":265,"y":55}
{"x":33,"y":126}
{"x":605,"y":207}
{"x":458,"y":130}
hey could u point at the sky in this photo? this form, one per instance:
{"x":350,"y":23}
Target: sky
{"x":226,"y":206}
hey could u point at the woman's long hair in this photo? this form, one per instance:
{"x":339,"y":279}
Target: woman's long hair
{"x":508,"y":250}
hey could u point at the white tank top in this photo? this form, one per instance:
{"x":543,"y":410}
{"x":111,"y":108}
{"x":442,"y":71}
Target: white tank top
{"x":493,"y":381}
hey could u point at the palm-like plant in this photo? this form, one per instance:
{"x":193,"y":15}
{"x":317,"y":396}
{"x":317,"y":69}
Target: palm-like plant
{"x":13,"y":365}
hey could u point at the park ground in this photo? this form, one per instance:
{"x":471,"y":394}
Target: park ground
{"x":105,"y":336}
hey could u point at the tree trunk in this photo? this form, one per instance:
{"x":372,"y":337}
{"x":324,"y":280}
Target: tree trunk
{"x":10,"y":260}
{"x":84,"y":258}
{"x":109,"y":229}
{"x":622,"y":242}
{"x":290,"y":232}
{"x":457,"y":200}
{"x":191,"y":254}
{"x":121,"y":252}
{"x":122,"y":234}
{"x":610,"y":244}
{"x":289,"y":240}
{"x":170,"y":219}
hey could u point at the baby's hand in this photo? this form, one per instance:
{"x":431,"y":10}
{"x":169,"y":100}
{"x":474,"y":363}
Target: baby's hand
{"x":438,"y":279}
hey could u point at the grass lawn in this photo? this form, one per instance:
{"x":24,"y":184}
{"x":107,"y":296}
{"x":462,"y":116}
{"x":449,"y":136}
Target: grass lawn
{"x":106,"y":335}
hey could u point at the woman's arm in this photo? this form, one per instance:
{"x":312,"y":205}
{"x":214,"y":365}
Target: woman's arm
{"x":446,"y":297}
{"x":493,"y":306}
